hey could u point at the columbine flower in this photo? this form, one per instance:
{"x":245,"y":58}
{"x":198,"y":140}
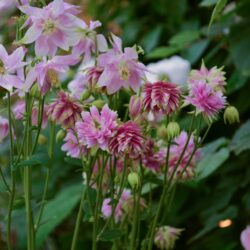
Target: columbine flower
{"x":19,"y":111}
{"x":166,"y":236}
{"x":128,"y":139}
{"x":153,"y":157}
{"x":121,"y":69}
{"x":64,"y":110}
{"x":46,"y":72}
{"x":245,"y":238}
{"x":52,"y":26}
{"x":11,"y":68}
{"x":175,"y":69}
{"x":89,"y":42}
{"x":214,"y":77}
{"x":119,"y":212}
{"x":161,"y":97}
{"x":4,"y":128}
{"x":93,"y":75}
{"x":72,"y":146}
{"x":206,"y":101}
{"x":78,"y":85}
{"x":135,"y":106}
{"x":186,"y":165}
{"x":96,"y":129}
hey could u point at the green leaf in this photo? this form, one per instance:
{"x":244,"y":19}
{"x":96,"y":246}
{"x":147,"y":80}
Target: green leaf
{"x":211,"y":162}
{"x":34,"y":160}
{"x":112,"y":234}
{"x":241,"y":139}
{"x":162,"y":52}
{"x":184,"y":38}
{"x":73,"y":161}
{"x":216,"y":12}
{"x":57,"y":209}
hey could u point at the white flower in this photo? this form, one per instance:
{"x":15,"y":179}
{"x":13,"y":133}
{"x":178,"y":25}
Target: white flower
{"x":174,"y":69}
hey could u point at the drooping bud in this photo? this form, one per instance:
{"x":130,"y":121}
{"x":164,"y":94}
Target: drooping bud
{"x":166,"y":237}
{"x":162,"y":132}
{"x":134,"y":180}
{"x":98,"y":103}
{"x":93,"y":75}
{"x":60,"y":135}
{"x":173,"y":130}
{"x":135,"y":106}
{"x":42,"y":139}
{"x":85,"y":95}
{"x":231,"y":115}
{"x":52,"y":77}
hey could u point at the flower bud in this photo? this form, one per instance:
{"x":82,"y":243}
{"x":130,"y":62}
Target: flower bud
{"x":42,"y":139}
{"x":133,"y":179}
{"x":162,"y":132}
{"x":231,"y":115}
{"x":135,"y":106}
{"x":173,"y":130}
{"x":34,"y":91}
{"x":117,"y":179}
{"x":60,"y":135}
{"x":166,"y":236}
{"x":98,"y":103}
{"x":85,"y":95}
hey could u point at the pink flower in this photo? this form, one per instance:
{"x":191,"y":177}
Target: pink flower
{"x":96,"y":129}
{"x":19,"y":111}
{"x":245,"y":238}
{"x":128,"y":139}
{"x":78,"y":85}
{"x":93,"y":75}
{"x":214,"y":77}
{"x":161,"y":97}
{"x":121,"y":69}
{"x":153,"y":157}
{"x":52,"y":27}
{"x":11,"y":68}
{"x":135,"y":106}
{"x":206,"y":100}
{"x":46,"y":72}
{"x":72,"y":146}
{"x":119,"y":212}
{"x":89,"y":42}
{"x":64,"y":110}
{"x":175,"y":152}
{"x":4,"y":128}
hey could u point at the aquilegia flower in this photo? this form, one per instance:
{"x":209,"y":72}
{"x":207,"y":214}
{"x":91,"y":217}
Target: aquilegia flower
{"x":11,"y":68}
{"x":206,"y":101}
{"x":161,"y":97}
{"x":72,"y":146}
{"x":187,"y":165}
{"x":52,"y":27}
{"x":215,"y":77}
{"x":90,"y":41}
{"x":46,"y":72}
{"x":245,"y":238}
{"x":128,"y":139}
{"x":97,"y":128}
{"x":166,"y":236}
{"x":121,"y":69}
{"x":4,"y":128}
{"x":64,"y":110}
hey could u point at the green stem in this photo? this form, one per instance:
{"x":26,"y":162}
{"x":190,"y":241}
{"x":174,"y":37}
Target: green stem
{"x":13,"y":178}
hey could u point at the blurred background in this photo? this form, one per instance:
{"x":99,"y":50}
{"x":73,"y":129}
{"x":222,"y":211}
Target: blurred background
{"x":213,"y":208}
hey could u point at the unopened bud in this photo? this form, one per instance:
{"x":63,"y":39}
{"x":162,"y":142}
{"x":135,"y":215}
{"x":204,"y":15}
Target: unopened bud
{"x":52,"y":77}
{"x":134,"y":180}
{"x":231,"y":115}
{"x":135,"y":106}
{"x":98,"y":103}
{"x":60,"y":135}
{"x":85,"y":95}
{"x":42,"y":139}
{"x":117,"y":179}
{"x":34,"y":91}
{"x":162,"y":132}
{"x":173,"y":130}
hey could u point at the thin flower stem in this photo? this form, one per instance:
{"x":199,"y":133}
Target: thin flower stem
{"x":48,"y":174}
{"x":4,"y":181}
{"x":13,"y":178}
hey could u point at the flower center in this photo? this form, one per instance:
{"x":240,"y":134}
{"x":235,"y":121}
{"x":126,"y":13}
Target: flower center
{"x":52,"y":77}
{"x":124,"y":71}
{"x":49,"y":27}
{"x":2,"y":69}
